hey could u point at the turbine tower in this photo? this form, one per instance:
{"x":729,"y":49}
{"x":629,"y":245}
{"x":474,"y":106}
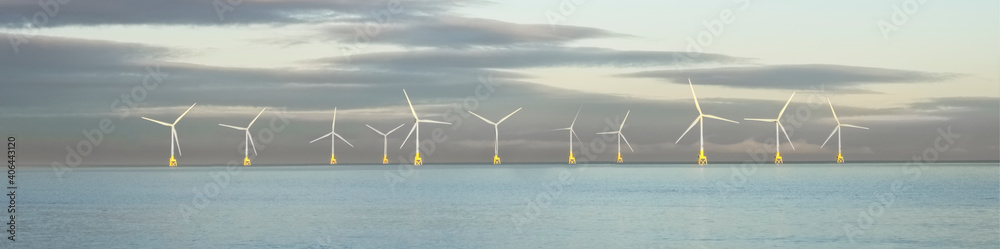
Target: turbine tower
{"x":496,"y":130}
{"x":333,"y":141}
{"x":620,"y":137}
{"x":247,"y":137}
{"x":385,"y":142}
{"x":174,"y":141}
{"x":572,"y":133}
{"x":840,"y":157}
{"x":777,"y":138}
{"x":700,"y":121}
{"x":416,"y":127}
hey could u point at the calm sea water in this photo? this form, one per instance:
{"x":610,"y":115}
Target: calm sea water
{"x":513,"y":206}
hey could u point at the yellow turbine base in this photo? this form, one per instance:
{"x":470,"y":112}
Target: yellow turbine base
{"x":572,"y":160}
{"x":385,"y":159}
{"x":840,"y":158}
{"x":246,"y":161}
{"x":333,"y":159}
{"x":417,"y":160}
{"x":702,"y":160}
{"x":777,"y":158}
{"x":496,"y":159}
{"x":619,"y":157}
{"x":173,"y":162}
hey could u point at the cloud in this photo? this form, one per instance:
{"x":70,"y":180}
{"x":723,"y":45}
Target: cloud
{"x":462,"y":32}
{"x":526,"y":58}
{"x":798,"y":77}
{"x":44,"y":54}
{"x":958,"y":104}
{"x":206,"y":12}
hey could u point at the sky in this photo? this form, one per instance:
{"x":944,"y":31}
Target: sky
{"x":80,"y":75}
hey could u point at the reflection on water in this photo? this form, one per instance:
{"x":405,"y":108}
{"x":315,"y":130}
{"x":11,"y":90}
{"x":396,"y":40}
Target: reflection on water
{"x":512,"y":206}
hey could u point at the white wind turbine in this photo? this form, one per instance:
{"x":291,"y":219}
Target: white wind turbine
{"x":620,"y":137}
{"x":572,"y":133}
{"x":416,"y":127}
{"x":702,"y":160}
{"x":777,"y":124}
{"x":174,"y":141}
{"x":247,"y":137}
{"x":840,"y":157}
{"x":496,"y":130}
{"x":385,"y":142}
{"x":333,"y":141}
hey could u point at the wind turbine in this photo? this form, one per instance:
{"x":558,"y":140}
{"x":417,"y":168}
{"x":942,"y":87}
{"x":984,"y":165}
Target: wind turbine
{"x":572,"y":160}
{"x":777,"y":124}
{"x":496,"y":130}
{"x":247,"y":137}
{"x":173,"y":135}
{"x":416,"y":127}
{"x":333,"y":141}
{"x":620,"y":137}
{"x":700,"y":120}
{"x":385,"y":142}
{"x":840,"y":157}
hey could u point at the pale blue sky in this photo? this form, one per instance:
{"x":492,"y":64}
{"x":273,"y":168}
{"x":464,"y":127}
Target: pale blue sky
{"x":612,"y":54}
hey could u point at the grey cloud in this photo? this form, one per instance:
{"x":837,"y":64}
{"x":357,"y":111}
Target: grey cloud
{"x":461,"y":32}
{"x":83,"y":74}
{"x":527,"y":58}
{"x":958,"y":104}
{"x":204,"y":12}
{"x":799,"y":77}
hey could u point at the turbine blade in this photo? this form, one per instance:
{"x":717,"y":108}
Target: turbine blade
{"x":831,"y":135}
{"x":854,"y":126}
{"x":623,"y":120}
{"x":433,"y":122}
{"x":561,"y":129}
{"x":333,"y":124}
{"x":157,"y":121}
{"x":394,"y":129}
{"x":408,"y":136}
{"x":761,"y":119}
{"x":379,"y":132}
{"x":607,"y":132}
{"x":786,"y":105}
{"x":689,"y":129}
{"x":481,"y":117}
{"x":177,"y":141}
{"x":834,"y":112}
{"x":508,"y":115}
{"x":719,"y":118}
{"x":411,"y":104}
{"x":786,"y":135}
{"x":234,"y":127}
{"x":255,"y":118}
{"x":324,"y":136}
{"x":574,"y":117}
{"x":342,"y":139}
{"x":250,"y":138}
{"x":626,"y":142}
{"x":574,"y":135}
{"x":695,"y":96}
{"x":185,"y":113}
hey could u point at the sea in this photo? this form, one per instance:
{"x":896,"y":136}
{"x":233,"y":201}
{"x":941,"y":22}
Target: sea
{"x":855,"y":205}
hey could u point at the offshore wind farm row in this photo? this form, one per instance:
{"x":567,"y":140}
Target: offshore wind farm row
{"x":415,"y":131}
